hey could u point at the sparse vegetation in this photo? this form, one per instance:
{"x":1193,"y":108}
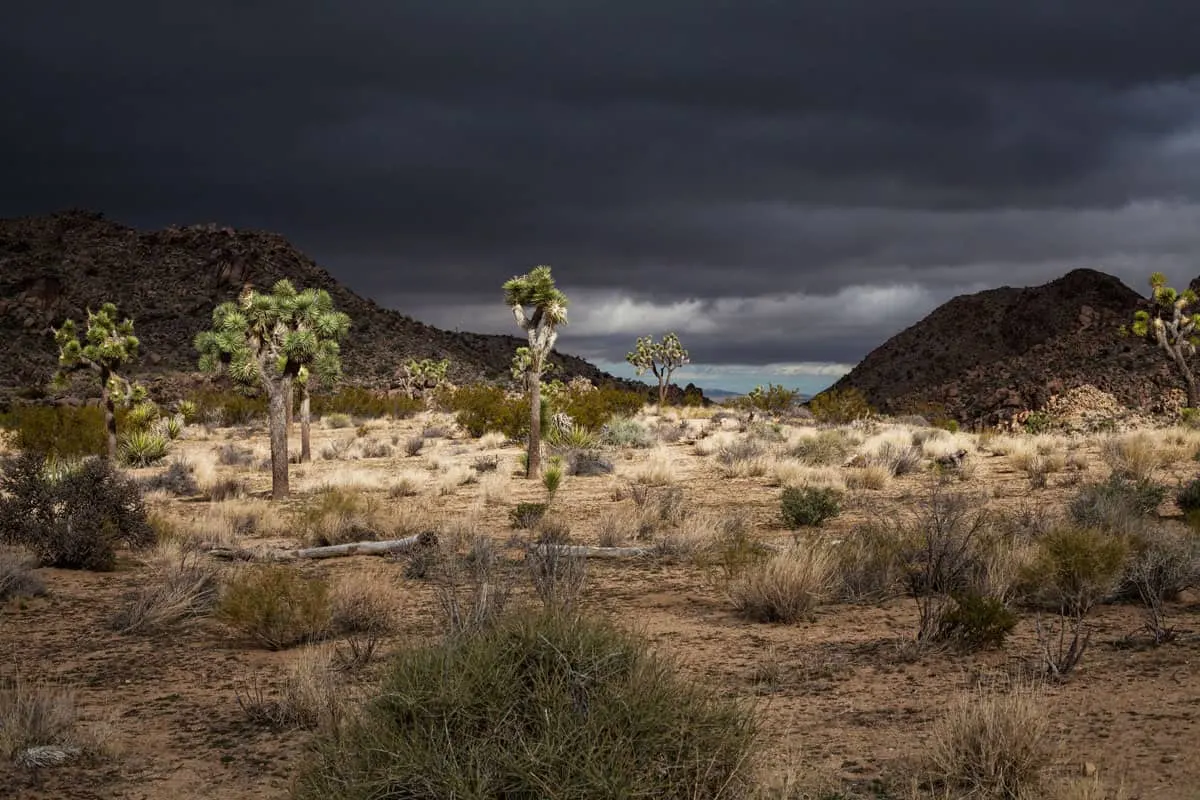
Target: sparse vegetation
{"x":809,"y":506}
{"x":276,"y":606}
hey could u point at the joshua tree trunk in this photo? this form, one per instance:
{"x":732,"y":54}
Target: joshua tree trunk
{"x":305,"y":425}
{"x":534,"y":466}
{"x":291,"y":408}
{"x":662,"y":391}
{"x":1193,"y":396}
{"x":110,"y":413}
{"x":279,"y":393}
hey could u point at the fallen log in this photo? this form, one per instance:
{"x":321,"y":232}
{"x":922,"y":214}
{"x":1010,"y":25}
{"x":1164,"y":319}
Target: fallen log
{"x":382,"y":548}
{"x":585,"y":551}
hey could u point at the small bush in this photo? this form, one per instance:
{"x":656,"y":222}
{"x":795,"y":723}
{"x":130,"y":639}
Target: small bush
{"x":1188,"y":496}
{"x":1133,"y":457}
{"x":623,"y":432}
{"x":75,"y":518}
{"x":355,"y":401}
{"x":276,"y":606}
{"x":413,"y":445}
{"x":538,"y":705}
{"x":232,"y":455}
{"x":179,"y":479}
{"x":786,"y":587}
{"x":17,"y":578}
{"x":364,"y":603}
{"x":871,"y":564}
{"x":825,"y":448}
{"x":557,"y":574}
{"x":527,"y":515}
{"x":1076,"y":568}
{"x":479,"y":409}
{"x":1118,"y":505}
{"x":975,"y":622}
{"x":592,"y":409}
{"x":840,"y":406}
{"x":809,"y":506}
{"x":141,"y":448}
{"x":309,"y":699}
{"x":40,"y":719}
{"x":772,"y":398}
{"x":228,"y":408}
{"x":993,"y":745}
{"x":337,"y":517}
{"x":587,"y":463}
{"x":338,"y":421}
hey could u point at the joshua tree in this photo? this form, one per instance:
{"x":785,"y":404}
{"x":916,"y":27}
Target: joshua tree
{"x":1173,"y":327}
{"x":267,"y":340}
{"x":108,"y":345}
{"x":317,"y":315}
{"x":661,"y":358}
{"x":419,"y":377}
{"x":539,"y":308}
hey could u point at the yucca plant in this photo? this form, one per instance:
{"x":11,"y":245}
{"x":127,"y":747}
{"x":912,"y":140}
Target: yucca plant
{"x":141,"y":448}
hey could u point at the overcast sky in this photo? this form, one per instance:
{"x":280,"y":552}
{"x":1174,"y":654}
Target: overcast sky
{"x":785,"y":184}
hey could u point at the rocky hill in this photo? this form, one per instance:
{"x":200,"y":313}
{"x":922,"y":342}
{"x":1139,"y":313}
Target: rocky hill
{"x":990,"y":356}
{"x":168,"y":281}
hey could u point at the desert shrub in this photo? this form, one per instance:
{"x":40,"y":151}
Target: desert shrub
{"x":870,"y":563}
{"x":527,"y":515}
{"x":625,"y":432}
{"x":1118,"y":505}
{"x":141,"y":448}
{"x":992,"y":745}
{"x":17,"y":578}
{"x":840,"y":406}
{"x":179,"y":479}
{"x":233,"y":455}
{"x":276,"y":606}
{"x":337,"y":516}
{"x":338,"y":420}
{"x":1188,"y":496}
{"x":75,"y":517}
{"x":539,"y":704}
{"x":809,"y":505}
{"x":309,"y":698}
{"x":56,"y":431}
{"x":975,"y":622}
{"x":1076,"y":568}
{"x":1163,"y":564}
{"x":181,"y":589}
{"x":364,"y":603}
{"x":226,"y":489}
{"x":592,"y":409}
{"x":825,"y":448}
{"x":228,"y":407}
{"x":1038,"y":422}
{"x":739,"y":450}
{"x":1133,"y":457}
{"x":365,"y":403}
{"x":785,"y":587}
{"x":772,"y":398}
{"x":480,"y":409}
{"x":587,"y":463}
{"x":556,"y":573}
{"x":732,"y":550}
{"x":898,"y":459}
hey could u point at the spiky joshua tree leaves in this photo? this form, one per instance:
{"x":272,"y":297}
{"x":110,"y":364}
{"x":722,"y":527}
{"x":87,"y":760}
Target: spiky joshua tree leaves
{"x":275,"y":341}
{"x":661,"y":358}
{"x":107,"y":346}
{"x":540,"y":308}
{"x":1173,"y":326}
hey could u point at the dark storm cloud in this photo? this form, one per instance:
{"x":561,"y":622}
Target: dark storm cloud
{"x":656,"y":153}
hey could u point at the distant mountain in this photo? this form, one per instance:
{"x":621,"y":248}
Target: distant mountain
{"x":56,"y":266}
{"x":984,"y":357}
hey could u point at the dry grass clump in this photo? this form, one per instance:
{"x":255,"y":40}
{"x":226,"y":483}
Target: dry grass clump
{"x":785,"y":587}
{"x":365,"y":602}
{"x":336,"y":516}
{"x":657,"y":470}
{"x":872,"y":476}
{"x":348,"y":478}
{"x":310,"y":697}
{"x":407,"y":483}
{"x":789,"y":472}
{"x":1134,"y":456}
{"x":181,"y":587}
{"x":492,"y":440}
{"x":17,"y":578}
{"x":992,"y":745}
{"x":711,"y":445}
{"x":892,"y":448}
{"x":276,"y":606}
{"x":449,"y":481}
{"x":40,"y":725}
{"x":821,"y":447}
{"x":695,"y":533}
{"x":226,"y":524}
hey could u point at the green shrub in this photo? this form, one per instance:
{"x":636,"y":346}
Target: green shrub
{"x":809,"y":505}
{"x":365,"y":403}
{"x":1117,"y":505}
{"x":1038,"y":422}
{"x":527,"y":515}
{"x":56,"y":431}
{"x":976,"y":622}
{"x":480,"y":409}
{"x":1188,"y":496}
{"x":591,"y":409}
{"x":141,"y":448}
{"x":71,"y":516}
{"x":338,"y":420}
{"x":623,"y":432}
{"x":228,"y":407}
{"x":276,"y":606}
{"x":1076,"y":568}
{"x":772,"y":398}
{"x":840,"y":406}
{"x":548,"y":705}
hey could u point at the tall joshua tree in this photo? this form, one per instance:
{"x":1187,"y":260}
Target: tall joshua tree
{"x":267,"y":340}
{"x":107,"y":346}
{"x":539,"y":308}
{"x":661,"y":358}
{"x":1173,"y":326}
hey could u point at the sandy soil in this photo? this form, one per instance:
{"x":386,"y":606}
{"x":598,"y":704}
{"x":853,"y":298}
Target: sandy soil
{"x":845,"y":701}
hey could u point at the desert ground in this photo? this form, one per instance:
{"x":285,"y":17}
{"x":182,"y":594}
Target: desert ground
{"x":849,"y":701}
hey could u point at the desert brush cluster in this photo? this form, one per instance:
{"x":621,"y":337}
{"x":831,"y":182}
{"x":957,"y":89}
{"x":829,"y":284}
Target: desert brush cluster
{"x":557,"y":589}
